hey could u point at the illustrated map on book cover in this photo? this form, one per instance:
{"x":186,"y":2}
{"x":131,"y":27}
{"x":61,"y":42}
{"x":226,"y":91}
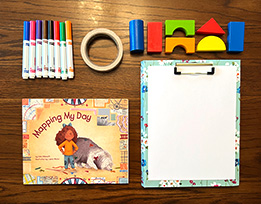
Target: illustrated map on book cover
{"x":75,"y":141}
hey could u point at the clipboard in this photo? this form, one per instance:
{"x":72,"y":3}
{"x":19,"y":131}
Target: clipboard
{"x":190,"y":116}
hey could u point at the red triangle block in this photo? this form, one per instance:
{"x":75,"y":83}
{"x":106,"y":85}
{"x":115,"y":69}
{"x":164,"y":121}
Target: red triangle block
{"x":211,"y":27}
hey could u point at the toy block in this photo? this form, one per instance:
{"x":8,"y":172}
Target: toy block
{"x":187,"y":43}
{"x":235,"y":38}
{"x":211,"y":44}
{"x":211,"y":28}
{"x":154,"y":37}
{"x":136,"y":30}
{"x":188,"y":26}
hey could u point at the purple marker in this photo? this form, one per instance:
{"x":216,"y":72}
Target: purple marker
{"x":38,"y":48}
{"x":32,"y":51}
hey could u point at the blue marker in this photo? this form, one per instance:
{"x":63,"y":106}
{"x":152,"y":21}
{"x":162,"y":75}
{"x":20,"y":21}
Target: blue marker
{"x":26,"y":46}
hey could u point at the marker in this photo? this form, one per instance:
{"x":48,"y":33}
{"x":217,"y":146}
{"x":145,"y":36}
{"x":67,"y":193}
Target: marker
{"x":69,"y":51}
{"x":32,"y":51}
{"x":57,"y":58}
{"x":63,"y":51}
{"x":45,"y":49}
{"x":38,"y":49}
{"x":26,"y":47}
{"x":50,"y":57}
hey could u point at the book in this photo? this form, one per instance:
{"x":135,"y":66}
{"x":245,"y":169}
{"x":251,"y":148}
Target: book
{"x":75,"y":141}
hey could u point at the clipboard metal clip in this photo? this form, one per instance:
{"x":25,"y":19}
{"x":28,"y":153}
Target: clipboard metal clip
{"x":176,"y":72}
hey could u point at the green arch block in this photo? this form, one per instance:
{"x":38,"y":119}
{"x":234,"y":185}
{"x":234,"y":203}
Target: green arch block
{"x":188,"y":26}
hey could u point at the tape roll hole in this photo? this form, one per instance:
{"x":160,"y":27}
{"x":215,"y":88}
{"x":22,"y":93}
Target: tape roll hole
{"x":102,"y":50}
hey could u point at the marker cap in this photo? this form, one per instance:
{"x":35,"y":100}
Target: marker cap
{"x":68,"y":26}
{"x":32,"y":30}
{"x":26,"y":30}
{"x":44,"y":29}
{"x":50,"y":30}
{"x":38,"y":29}
{"x":62,"y":31}
{"x":56,"y":30}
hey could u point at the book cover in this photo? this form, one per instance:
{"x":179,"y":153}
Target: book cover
{"x":75,"y":141}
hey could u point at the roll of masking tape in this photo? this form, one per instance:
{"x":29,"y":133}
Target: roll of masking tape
{"x":100,"y":32}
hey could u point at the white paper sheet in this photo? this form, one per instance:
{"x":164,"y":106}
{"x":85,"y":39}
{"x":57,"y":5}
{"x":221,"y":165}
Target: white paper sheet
{"x":191,"y":122}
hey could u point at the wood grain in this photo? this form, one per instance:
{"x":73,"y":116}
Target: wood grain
{"x":122,"y":82}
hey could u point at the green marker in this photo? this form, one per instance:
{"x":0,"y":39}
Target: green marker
{"x":63,"y":51}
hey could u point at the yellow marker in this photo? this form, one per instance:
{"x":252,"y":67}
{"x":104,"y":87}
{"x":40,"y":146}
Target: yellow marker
{"x":211,"y":44}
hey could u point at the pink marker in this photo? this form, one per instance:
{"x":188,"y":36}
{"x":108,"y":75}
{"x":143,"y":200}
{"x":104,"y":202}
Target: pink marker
{"x":32,"y":60}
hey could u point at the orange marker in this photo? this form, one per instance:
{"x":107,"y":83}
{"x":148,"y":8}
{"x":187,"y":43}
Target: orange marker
{"x":69,"y":50}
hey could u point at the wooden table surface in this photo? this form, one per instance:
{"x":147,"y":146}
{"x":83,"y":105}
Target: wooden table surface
{"x":123,"y":82}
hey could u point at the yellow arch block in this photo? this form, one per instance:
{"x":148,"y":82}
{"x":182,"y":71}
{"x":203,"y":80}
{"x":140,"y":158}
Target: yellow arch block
{"x":211,"y":44}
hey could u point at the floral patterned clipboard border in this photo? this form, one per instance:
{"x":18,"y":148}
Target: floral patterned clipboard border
{"x":144,"y":128}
